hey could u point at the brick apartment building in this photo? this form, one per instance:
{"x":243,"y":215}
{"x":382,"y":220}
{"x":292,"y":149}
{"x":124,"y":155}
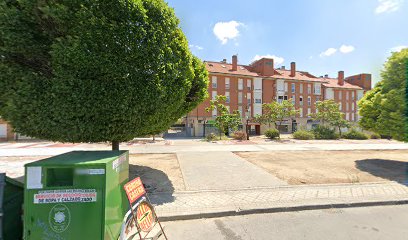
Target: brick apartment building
{"x":247,"y":87}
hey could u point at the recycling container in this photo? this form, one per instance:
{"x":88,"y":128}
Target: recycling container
{"x":11,"y":223}
{"x":76,"y":195}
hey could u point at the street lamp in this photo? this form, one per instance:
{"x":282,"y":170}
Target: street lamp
{"x":247,"y":124}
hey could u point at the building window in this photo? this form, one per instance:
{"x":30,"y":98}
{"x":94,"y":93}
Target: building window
{"x":214,"y":82}
{"x":340,"y":107}
{"x":249,"y":84}
{"x":240,"y":110}
{"x":214,"y":112}
{"x":249,"y":98}
{"x":352,"y":107}
{"x":309,"y":101}
{"x":280,"y":99}
{"x":227,"y":96}
{"x":214,"y":94}
{"x":300,"y":112}
{"x":340,"y":95}
{"x":309,"y":88}
{"x":240,"y":84}
{"x":240,"y":98}
{"x":309,"y":111}
{"x":347,"y":107}
{"x":293,"y":88}
{"x":286,"y":87}
{"x":285,"y":97}
{"x":317,"y":98}
{"x":353,"y":96}
{"x":258,"y":100}
{"x":227,"y":83}
{"x":317,"y":88}
{"x":301,"y":100}
{"x":293,"y":99}
{"x":301,"y":87}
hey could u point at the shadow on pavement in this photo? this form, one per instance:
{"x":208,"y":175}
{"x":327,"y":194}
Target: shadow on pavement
{"x":157,"y":184}
{"x":388,"y":169}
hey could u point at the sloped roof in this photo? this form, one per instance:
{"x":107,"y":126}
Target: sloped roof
{"x":300,"y":75}
{"x":219,"y":67}
{"x":333,"y":83}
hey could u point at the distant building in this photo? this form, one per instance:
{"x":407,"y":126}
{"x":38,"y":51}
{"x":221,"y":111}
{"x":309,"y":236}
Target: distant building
{"x":6,"y":131}
{"x":247,"y":87}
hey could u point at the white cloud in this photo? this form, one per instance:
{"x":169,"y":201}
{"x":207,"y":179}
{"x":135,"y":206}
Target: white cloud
{"x":398,"y":48}
{"x":277,"y":60}
{"x":346,"y":48}
{"x":225,"y":31}
{"x":388,"y":6}
{"x":192,"y":46}
{"x":328,"y":52}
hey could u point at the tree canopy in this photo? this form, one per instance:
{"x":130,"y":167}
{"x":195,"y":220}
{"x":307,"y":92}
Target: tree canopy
{"x":276,"y":112}
{"x":383,"y":108}
{"x":92,"y":71}
{"x":328,"y":113}
{"x":224,"y":120}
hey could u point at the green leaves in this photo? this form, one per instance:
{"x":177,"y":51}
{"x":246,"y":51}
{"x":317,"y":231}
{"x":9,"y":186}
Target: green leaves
{"x":224,"y":119}
{"x":276,"y":113}
{"x":383,"y":109}
{"x":91,"y":71}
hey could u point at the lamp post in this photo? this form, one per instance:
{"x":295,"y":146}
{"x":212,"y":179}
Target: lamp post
{"x":246,"y":127}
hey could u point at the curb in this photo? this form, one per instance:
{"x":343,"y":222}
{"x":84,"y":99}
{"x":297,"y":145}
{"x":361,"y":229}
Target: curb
{"x":280,"y":209}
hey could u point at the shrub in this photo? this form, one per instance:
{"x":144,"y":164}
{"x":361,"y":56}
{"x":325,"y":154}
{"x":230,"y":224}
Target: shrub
{"x":354,"y":134}
{"x":303,"y":135}
{"x":272,"y":133}
{"x":211,"y":137}
{"x":375,"y":136}
{"x":239,"y":135}
{"x":324,"y":132}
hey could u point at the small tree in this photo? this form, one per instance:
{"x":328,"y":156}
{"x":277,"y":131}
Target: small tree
{"x":328,"y":113}
{"x":224,"y":120}
{"x":276,"y":113}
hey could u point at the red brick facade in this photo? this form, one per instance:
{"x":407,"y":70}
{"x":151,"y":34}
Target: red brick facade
{"x":279,"y":83}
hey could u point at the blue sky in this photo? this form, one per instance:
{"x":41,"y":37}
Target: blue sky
{"x":321,"y":36}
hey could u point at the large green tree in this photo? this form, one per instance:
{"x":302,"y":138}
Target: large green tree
{"x":93,"y":71}
{"x":383,"y":108}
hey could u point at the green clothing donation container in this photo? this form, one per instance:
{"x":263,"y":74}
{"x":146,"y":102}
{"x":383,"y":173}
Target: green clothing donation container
{"x":76,"y":195}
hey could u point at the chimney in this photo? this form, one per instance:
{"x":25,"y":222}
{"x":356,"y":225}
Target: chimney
{"x":224,"y":60}
{"x":341,"y":78}
{"x":292,"y":69}
{"x":234,"y":62}
{"x":283,"y":67}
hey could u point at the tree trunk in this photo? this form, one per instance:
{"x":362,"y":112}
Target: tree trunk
{"x":154,"y":139}
{"x":115,"y":145}
{"x":339,"y":131}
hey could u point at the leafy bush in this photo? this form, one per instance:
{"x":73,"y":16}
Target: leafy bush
{"x":354,"y":134}
{"x":375,"y":136}
{"x":211,"y":137}
{"x":272,"y":133}
{"x":324,"y":132}
{"x":303,"y":135}
{"x":239,"y":135}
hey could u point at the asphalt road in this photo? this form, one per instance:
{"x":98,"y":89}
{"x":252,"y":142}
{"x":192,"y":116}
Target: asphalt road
{"x":382,"y":222}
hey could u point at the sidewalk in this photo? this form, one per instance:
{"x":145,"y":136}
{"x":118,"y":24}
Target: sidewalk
{"x":205,"y":204}
{"x":14,"y":150}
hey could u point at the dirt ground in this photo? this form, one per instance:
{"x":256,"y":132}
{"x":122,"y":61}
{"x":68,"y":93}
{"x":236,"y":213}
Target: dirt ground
{"x":159,"y":172}
{"x":320,"y":167}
